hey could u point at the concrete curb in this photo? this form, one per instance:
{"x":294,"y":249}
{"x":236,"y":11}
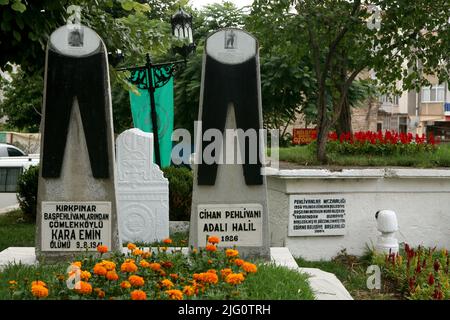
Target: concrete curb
{"x":325,"y":285}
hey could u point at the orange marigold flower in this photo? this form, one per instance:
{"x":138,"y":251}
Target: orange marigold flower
{"x":239,"y":262}
{"x":167,"y":241}
{"x":77,"y":264}
{"x":83,"y":287}
{"x":85,"y":275}
{"x":138,"y":295}
{"x":128,"y":267}
{"x":100,"y":270}
{"x":137,"y":252}
{"x":162,"y":273}
{"x":109,"y":265}
{"x":188,"y":290}
{"x":249,"y":267}
{"x":136,"y":281}
{"x":39,"y":291}
{"x":102,"y":249}
{"x":225,"y":272}
{"x":175,"y":294}
{"x":112,"y":276}
{"x":211,"y":248}
{"x":174,"y":276}
{"x":206,"y":277}
{"x":167,"y":283}
{"x":213,"y":240}
{"x":146,"y":254}
{"x":125,"y":285}
{"x":39,"y":283}
{"x":131,"y":246}
{"x":12,"y":282}
{"x":144,"y":264}
{"x":164,"y":249}
{"x":155,"y":266}
{"x":210,"y":261}
{"x":235,"y":278}
{"x":231,"y":253}
{"x":212,"y":271}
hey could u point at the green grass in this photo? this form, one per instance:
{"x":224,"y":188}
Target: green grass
{"x":277,"y":283}
{"x":305,"y":156}
{"x":351,"y":271}
{"x":15,"y":231}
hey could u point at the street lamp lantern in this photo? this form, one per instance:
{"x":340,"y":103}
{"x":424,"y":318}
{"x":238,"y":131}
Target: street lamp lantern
{"x":182,"y":29}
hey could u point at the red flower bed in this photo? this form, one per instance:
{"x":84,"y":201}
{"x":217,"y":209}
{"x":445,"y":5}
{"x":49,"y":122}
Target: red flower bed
{"x":389,"y":137}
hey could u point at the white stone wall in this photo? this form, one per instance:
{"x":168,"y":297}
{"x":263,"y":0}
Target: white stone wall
{"x":420,"y":197}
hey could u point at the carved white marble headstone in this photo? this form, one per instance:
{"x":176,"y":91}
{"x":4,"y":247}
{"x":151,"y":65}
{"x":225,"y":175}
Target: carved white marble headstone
{"x":142,"y":189}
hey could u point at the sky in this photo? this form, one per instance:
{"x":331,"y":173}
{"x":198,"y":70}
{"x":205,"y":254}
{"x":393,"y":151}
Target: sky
{"x":239,"y":3}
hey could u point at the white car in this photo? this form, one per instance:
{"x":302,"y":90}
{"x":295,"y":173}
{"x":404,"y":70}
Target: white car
{"x":13,"y":162}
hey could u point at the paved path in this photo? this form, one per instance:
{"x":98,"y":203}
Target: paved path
{"x":8,"y":202}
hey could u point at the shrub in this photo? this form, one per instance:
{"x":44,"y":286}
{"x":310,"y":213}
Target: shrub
{"x":27,"y":187}
{"x":180,"y":192}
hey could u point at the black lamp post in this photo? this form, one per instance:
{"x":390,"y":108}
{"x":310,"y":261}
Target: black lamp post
{"x":155,"y":75}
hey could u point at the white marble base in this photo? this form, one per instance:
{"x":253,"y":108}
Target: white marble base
{"x":325,"y":285}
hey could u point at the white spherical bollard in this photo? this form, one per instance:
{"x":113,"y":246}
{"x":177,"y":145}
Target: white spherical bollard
{"x":387,"y":224}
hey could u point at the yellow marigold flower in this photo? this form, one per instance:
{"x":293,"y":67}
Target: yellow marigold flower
{"x":85,"y":275}
{"x":213,"y":240}
{"x":239,"y":262}
{"x":167,"y":241}
{"x":167,"y":283}
{"x":83,"y":287}
{"x":164,"y":249}
{"x":131,"y":246}
{"x":231,"y":253}
{"x":102,"y":249}
{"x":100,"y":270}
{"x":249,"y":267}
{"x":109,"y":265}
{"x":39,"y":291}
{"x":138,"y":295}
{"x":12,"y":282}
{"x":112,"y":276}
{"x":188,"y":291}
{"x":125,"y":285}
{"x":136,"y":281}
{"x":175,"y":294}
{"x":155,"y":266}
{"x":38,"y":283}
{"x":225,"y":272}
{"x":235,"y":278}
{"x":77,"y":264}
{"x":194,"y":251}
{"x":128,"y":267}
{"x":211,"y":248}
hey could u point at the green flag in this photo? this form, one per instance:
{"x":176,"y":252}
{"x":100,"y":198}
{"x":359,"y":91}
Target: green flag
{"x":140,"y":110}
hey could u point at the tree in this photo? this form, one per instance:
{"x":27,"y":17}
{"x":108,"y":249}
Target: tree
{"x":122,"y":24}
{"x":336,"y":37}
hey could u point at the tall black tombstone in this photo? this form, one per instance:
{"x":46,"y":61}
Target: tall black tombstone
{"x":230,"y":198}
{"x":76,"y":207}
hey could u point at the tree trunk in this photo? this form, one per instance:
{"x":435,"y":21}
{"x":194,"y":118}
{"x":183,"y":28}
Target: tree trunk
{"x":322,"y":137}
{"x":344,"y":123}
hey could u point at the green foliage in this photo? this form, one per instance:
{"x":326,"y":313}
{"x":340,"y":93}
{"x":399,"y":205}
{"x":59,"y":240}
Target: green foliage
{"x":180,"y":192}
{"x":22,"y":101}
{"x":27,"y":187}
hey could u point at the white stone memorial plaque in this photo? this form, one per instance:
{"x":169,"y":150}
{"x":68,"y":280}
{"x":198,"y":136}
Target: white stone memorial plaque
{"x":234,"y":224}
{"x":317,"y":215}
{"x":75,"y":226}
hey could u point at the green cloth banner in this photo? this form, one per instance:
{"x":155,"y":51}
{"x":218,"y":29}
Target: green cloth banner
{"x":140,"y":110}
